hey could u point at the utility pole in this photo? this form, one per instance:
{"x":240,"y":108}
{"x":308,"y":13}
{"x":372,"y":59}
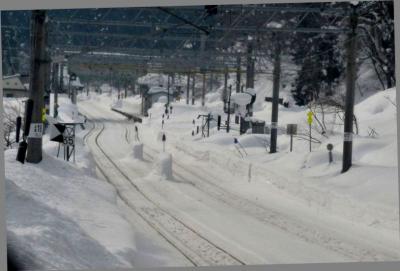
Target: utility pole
{"x":188,"y":89}
{"x":55,"y":85}
{"x":225,"y":92}
{"x":203,"y":93}
{"x":203,"y":38}
{"x":238,"y":73}
{"x":228,"y":124}
{"x":350,"y":87}
{"x":37,"y":81}
{"x":211,"y":81}
{"x":168,"y":86}
{"x":275,"y":95}
{"x":193,"y":87}
{"x":250,"y":65}
{"x":250,"y":70}
{"x":60,"y":87}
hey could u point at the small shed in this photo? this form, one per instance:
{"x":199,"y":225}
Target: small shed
{"x":13,"y":86}
{"x":154,"y":95}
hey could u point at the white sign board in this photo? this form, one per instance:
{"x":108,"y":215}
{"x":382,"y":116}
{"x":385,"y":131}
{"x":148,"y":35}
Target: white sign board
{"x":36,"y":130}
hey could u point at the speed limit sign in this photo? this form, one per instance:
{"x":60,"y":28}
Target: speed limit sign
{"x":69,"y":141}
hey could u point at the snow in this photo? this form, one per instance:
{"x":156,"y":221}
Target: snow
{"x":68,"y":113}
{"x":61,"y":216}
{"x":137,"y":151}
{"x":304,"y":208}
{"x":241,"y":98}
{"x":163,"y":165}
{"x":47,"y":201}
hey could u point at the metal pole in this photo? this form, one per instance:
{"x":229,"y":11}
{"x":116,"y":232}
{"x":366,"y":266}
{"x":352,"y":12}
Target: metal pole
{"x":250,"y":72}
{"x":56,"y":86}
{"x":225,"y":92}
{"x":350,"y":87}
{"x":291,"y":143}
{"x":229,"y":110}
{"x":310,"y":137}
{"x":238,"y":74}
{"x":193,"y":87}
{"x":211,"y":82}
{"x":73,"y":98}
{"x":37,"y":80}
{"x":203,"y":93}
{"x":168,"y":84}
{"x":188,"y":88}
{"x":208,"y":124}
{"x":275,"y":96}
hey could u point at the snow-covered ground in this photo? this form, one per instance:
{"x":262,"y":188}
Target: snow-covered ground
{"x":220,"y":206}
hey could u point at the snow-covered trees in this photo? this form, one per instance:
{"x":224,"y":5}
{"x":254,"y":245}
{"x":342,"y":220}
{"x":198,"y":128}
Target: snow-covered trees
{"x":377,"y":36}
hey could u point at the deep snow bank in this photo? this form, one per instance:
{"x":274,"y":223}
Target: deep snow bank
{"x":63,"y":218}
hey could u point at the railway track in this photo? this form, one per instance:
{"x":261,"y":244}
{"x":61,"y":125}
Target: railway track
{"x":197,"y":249}
{"x":268,"y":216}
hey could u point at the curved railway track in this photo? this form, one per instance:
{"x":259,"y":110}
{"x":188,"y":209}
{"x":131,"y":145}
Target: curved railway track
{"x":193,"y":246}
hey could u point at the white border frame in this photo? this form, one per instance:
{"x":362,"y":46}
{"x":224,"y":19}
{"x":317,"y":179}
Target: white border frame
{"x":72,"y":4}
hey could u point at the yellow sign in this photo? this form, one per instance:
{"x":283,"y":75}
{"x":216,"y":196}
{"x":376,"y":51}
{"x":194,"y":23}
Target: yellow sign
{"x":310,"y":117}
{"x":43,"y":114}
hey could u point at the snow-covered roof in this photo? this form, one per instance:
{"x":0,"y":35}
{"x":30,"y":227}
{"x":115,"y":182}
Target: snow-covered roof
{"x":75,"y":83}
{"x":13,"y":82}
{"x":241,"y":98}
{"x":155,"y":90}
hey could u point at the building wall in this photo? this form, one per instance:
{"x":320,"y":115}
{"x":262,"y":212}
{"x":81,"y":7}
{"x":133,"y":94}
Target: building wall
{"x":14,"y":93}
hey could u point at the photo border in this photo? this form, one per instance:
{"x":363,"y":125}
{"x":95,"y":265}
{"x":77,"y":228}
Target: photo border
{"x":74,"y":4}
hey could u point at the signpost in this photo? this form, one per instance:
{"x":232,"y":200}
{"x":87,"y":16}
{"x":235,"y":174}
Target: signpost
{"x":36,"y":130}
{"x":64,"y":134}
{"x":310,"y":121}
{"x":291,"y":130}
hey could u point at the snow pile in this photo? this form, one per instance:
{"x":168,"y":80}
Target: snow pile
{"x":68,"y":113}
{"x":117,"y":104}
{"x":304,"y":175}
{"x":153,"y":79}
{"x":163,"y":165}
{"x":47,"y":221}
